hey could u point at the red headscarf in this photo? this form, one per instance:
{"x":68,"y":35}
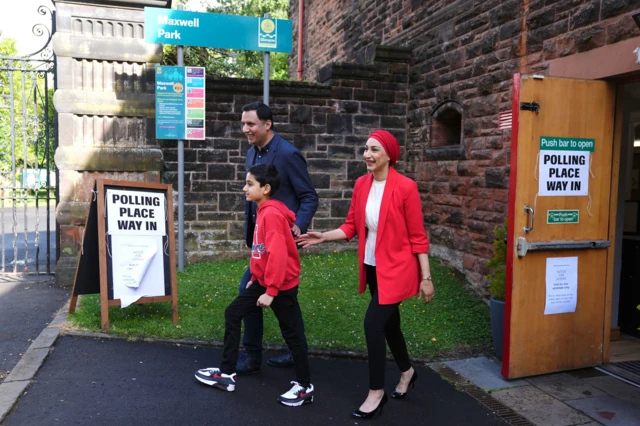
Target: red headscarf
{"x":389,"y":143}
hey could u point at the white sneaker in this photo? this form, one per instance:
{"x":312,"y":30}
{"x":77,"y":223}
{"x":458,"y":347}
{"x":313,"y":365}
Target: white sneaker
{"x":297,"y":395}
{"x":214,"y":377}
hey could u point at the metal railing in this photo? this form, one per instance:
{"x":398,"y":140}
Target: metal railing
{"x":28,"y":177}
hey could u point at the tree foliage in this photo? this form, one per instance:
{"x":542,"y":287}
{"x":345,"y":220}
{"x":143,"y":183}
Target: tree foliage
{"x":230,"y":62}
{"x":22,"y":90}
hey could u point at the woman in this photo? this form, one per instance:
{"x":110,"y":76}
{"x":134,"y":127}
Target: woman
{"x":386,"y":215}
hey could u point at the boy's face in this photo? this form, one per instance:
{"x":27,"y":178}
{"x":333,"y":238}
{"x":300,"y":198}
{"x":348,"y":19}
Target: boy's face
{"x":254,"y":192}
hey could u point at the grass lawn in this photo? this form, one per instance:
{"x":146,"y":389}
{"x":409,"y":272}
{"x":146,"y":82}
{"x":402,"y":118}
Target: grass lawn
{"x":454,"y":321}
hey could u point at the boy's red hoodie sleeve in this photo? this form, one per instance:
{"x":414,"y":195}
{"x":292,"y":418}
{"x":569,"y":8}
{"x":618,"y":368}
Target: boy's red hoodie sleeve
{"x":277,"y":258}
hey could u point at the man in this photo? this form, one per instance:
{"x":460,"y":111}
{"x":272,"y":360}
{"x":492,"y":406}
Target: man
{"x":296,"y":192}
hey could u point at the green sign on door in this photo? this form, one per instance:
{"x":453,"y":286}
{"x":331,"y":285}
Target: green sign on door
{"x":555,"y":217}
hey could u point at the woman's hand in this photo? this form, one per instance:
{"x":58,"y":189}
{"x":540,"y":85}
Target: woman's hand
{"x":426,"y":291}
{"x":310,"y":239}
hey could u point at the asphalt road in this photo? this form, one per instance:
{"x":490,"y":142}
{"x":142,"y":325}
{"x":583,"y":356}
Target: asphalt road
{"x":115,"y":382}
{"x":34,"y":218}
{"x":27,"y":305}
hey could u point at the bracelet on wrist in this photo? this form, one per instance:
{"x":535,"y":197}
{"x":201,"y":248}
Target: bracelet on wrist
{"x":426,"y":278}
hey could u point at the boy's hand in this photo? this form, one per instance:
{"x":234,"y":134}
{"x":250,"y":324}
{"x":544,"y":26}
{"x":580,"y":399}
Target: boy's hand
{"x":264,"y":301}
{"x":248,"y":284}
{"x":295,"y":230}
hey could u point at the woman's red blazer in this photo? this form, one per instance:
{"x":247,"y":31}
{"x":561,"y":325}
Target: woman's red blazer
{"x":400,"y":236}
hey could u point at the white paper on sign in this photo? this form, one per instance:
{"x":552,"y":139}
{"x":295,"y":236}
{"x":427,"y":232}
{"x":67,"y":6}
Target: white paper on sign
{"x":137,"y":268}
{"x":136,"y":264}
{"x":562,"y":285}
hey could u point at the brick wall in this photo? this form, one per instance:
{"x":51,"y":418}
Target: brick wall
{"x":347,"y":31}
{"x":464,"y":51}
{"x":328,"y":122}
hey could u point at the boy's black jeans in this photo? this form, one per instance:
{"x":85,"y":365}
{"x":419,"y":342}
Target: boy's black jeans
{"x":285,"y":307}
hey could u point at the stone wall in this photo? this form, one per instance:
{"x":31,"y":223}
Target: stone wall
{"x":344,"y":31}
{"x":105,"y":102}
{"x":463,"y":51}
{"x":328,"y":122}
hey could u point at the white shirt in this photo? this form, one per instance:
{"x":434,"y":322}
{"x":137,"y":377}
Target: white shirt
{"x":371,"y":221}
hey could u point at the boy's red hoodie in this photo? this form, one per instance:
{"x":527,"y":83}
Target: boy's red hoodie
{"x":275,"y":262}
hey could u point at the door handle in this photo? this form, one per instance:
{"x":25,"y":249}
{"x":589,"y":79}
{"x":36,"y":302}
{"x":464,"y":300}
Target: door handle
{"x":523,"y":246}
{"x":531,"y":214}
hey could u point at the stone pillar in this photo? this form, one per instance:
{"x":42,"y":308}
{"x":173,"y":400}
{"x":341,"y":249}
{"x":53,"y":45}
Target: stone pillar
{"x":105,"y":106}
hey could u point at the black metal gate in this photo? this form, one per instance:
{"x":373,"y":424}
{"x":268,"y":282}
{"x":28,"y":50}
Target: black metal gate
{"x":28,"y":176}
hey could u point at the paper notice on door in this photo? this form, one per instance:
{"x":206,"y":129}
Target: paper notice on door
{"x":562,"y":285}
{"x":138,"y":268}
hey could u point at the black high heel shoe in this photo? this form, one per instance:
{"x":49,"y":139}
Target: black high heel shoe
{"x":362,"y":415}
{"x":412,"y":383}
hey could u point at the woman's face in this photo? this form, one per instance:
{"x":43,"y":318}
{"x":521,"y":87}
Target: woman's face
{"x":375,"y":156}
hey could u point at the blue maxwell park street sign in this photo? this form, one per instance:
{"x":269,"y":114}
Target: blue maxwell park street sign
{"x":183,"y":28}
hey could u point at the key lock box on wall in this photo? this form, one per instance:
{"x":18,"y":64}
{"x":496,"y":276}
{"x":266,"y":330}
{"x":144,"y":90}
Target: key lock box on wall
{"x":558,"y":236}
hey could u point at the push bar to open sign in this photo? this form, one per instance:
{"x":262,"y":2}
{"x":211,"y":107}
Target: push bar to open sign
{"x":524,"y":246}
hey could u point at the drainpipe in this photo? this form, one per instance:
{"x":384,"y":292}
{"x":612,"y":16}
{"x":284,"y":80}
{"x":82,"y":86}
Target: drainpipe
{"x":300,"y":32}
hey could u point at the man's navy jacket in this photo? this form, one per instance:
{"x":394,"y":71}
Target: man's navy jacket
{"x":296,"y":190}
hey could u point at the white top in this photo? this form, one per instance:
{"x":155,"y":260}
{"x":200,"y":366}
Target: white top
{"x":371,"y":221}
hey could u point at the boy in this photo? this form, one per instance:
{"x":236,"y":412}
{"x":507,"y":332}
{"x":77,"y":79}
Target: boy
{"x":275,"y":275}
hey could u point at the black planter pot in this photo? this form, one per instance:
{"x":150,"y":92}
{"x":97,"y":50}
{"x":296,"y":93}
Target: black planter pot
{"x":497,"y":325}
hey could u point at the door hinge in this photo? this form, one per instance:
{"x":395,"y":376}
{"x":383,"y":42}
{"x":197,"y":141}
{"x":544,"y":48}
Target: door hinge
{"x":530,"y":106}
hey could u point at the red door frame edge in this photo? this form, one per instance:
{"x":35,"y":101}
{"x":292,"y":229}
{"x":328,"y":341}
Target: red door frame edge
{"x":513,"y":169}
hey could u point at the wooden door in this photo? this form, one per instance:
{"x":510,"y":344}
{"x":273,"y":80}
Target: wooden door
{"x":572,"y":114}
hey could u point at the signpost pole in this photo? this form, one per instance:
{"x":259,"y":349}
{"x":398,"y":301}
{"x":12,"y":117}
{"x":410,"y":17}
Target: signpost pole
{"x":267,"y":59}
{"x":184,"y":28}
{"x":180,"y":181}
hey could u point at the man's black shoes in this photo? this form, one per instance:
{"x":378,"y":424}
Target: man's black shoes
{"x":283,"y":360}
{"x":247,"y":365}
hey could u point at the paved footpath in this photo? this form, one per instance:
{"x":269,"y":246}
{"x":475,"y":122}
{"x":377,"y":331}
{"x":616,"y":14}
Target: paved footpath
{"x":118,"y":382}
{"x":62,"y":377}
{"x":28,"y":304}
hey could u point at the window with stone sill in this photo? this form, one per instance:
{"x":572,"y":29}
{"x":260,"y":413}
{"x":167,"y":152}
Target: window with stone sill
{"x":445,"y":135}
{"x":446,"y":124}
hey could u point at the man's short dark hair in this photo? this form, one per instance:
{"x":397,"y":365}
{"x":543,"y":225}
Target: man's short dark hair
{"x":262,"y":111}
{"x":266,"y":173}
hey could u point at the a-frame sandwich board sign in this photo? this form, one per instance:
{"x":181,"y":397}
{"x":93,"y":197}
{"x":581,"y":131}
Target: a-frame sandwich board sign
{"x":128,"y":247}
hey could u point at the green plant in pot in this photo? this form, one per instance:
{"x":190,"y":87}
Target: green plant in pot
{"x":497,"y":282}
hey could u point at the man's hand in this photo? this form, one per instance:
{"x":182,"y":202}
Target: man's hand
{"x":295,"y":230}
{"x":264,"y":301}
